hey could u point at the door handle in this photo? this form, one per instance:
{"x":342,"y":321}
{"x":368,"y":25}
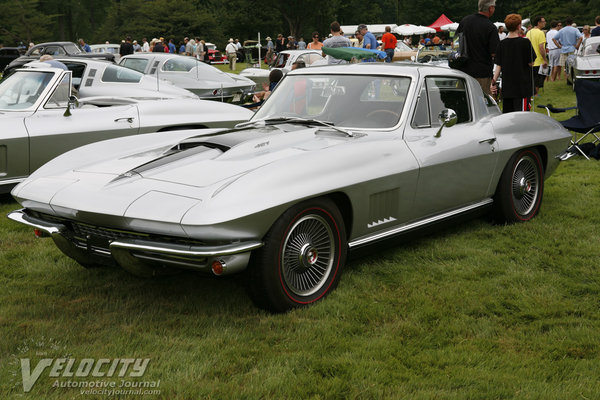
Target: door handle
{"x":128,"y":119}
{"x":490,"y":140}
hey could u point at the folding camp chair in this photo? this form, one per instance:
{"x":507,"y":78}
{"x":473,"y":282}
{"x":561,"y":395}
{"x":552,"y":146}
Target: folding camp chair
{"x":587,"y":120}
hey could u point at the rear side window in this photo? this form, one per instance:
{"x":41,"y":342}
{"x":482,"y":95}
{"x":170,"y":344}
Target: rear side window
{"x":137,"y":64}
{"x":116,"y":73}
{"x":440,"y":93}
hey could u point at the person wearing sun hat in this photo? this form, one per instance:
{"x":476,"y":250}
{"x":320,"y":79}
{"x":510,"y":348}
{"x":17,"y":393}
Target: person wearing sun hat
{"x":231,"y":51}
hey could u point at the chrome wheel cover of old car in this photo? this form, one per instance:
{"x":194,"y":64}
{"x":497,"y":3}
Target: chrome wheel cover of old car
{"x":307,"y":255}
{"x":525,"y":185}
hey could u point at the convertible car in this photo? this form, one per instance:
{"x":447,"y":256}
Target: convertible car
{"x":585,"y":63}
{"x":203,"y":80}
{"x":39,"y":120}
{"x":102,"y":78}
{"x":338,"y":158}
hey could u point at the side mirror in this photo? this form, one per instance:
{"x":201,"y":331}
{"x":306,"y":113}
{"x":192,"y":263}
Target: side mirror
{"x":447,"y":118}
{"x":73,"y":102}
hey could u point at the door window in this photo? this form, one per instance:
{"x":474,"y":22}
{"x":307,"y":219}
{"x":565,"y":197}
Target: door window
{"x":440,"y":93}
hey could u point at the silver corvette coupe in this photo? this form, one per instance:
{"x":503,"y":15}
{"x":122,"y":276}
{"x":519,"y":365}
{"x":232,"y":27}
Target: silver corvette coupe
{"x":39,"y":120}
{"x":205,"y":81}
{"x":103,"y":78}
{"x":338,"y":158}
{"x":585,"y":63}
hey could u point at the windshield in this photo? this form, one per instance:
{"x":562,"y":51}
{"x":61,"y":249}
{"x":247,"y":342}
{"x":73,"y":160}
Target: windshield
{"x":186,"y":64}
{"x":432,"y":55}
{"x":22,"y":89}
{"x":353,"y":101}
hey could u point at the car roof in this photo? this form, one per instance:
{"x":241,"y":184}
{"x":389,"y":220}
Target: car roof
{"x":83,"y":60}
{"x":378,"y":68}
{"x":53,"y":44}
{"x":592,"y":39}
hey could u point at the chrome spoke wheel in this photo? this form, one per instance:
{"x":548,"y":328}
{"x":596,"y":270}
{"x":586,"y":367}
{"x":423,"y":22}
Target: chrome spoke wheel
{"x":308,"y":255}
{"x":525,"y":185}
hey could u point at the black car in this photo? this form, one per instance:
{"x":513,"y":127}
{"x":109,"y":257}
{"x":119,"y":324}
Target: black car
{"x":7,"y":54}
{"x":55,"y":49}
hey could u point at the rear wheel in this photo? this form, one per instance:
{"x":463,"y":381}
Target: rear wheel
{"x":302,"y":258}
{"x":519,"y":193}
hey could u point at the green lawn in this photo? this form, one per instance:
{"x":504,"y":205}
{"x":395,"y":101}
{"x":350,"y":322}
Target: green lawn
{"x":477,"y":311}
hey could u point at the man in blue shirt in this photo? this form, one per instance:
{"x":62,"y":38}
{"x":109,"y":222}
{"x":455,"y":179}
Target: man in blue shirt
{"x":369,"y":41}
{"x":84,"y":46}
{"x":567,"y":40}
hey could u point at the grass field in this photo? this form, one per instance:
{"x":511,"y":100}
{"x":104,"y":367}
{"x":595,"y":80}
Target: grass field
{"x":477,"y":311}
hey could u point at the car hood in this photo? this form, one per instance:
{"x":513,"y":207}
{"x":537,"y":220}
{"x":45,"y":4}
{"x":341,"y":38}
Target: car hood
{"x":177,"y":177}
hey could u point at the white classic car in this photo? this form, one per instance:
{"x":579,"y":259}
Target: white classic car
{"x":103,"y":78}
{"x":585,"y":63}
{"x":205,"y":81}
{"x":40,"y":120}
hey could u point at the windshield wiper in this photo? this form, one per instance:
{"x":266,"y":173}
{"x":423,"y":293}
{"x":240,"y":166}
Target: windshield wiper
{"x":295,"y":120}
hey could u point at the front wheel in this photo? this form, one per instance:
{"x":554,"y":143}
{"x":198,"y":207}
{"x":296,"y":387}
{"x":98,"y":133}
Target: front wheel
{"x":519,"y":193}
{"x":302,"y":258}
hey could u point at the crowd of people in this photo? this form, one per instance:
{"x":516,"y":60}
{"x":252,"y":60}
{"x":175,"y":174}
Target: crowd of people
{"x":525,"y":59}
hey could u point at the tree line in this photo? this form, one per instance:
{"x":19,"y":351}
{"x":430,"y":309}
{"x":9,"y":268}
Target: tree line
{"x":216,"y":20}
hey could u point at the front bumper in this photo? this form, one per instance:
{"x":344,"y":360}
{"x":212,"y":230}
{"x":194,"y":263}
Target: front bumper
{"x":91,"y":244}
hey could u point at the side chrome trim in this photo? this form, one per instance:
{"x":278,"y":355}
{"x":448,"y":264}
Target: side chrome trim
{"x":47,"y":227}
{"x":11,"y":181}
{"x":417,"y":224}
{"x":186,"y":251}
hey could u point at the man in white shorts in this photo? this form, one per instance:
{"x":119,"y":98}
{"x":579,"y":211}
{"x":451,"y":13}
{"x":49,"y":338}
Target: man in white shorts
{"x":553,"y":50}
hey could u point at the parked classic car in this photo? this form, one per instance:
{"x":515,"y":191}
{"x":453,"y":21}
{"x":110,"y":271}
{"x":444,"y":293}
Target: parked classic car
{"x":338,"y":158}
{"x":205,"y":81}
{"x":284,"y":62}
{"x":102,"y":78}
{"x":7,"y":55}
{"x":585,"y":63}
{"x":403,"y":52}
{"x":55,"y":49}
{"x":37,"y":127}
{"x":112,"y":48}
{"x":214,"y":56}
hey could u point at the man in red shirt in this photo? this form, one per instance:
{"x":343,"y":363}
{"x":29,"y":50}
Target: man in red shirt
{"x":389,"y":43}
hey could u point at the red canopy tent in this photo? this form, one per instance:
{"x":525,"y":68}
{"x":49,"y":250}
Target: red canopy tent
{"x":441,"y":21}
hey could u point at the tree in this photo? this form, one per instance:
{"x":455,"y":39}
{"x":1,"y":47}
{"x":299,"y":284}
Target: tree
{"x":21,"y":21}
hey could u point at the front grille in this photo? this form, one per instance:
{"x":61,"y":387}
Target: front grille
{"x":98,"y":239}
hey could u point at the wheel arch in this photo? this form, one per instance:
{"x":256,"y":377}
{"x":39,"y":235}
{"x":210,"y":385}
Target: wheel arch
{"x":343,"y":203}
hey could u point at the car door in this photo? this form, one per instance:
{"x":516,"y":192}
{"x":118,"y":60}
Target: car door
{"x":455,"y":169}
{"x":52,"y":132}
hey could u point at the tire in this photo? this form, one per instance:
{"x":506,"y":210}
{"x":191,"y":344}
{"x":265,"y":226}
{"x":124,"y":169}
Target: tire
{"x":521,"y":187}
{"x":302,"y":258}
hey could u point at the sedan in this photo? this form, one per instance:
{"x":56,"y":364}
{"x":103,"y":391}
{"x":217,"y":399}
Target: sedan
{"x":585,"y":63}
{"x":40,"y":119}
{"x":186,"y":72}
{"x":337,"y":159}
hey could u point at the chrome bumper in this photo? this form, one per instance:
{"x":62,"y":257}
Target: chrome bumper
{"x":234,"y":255}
